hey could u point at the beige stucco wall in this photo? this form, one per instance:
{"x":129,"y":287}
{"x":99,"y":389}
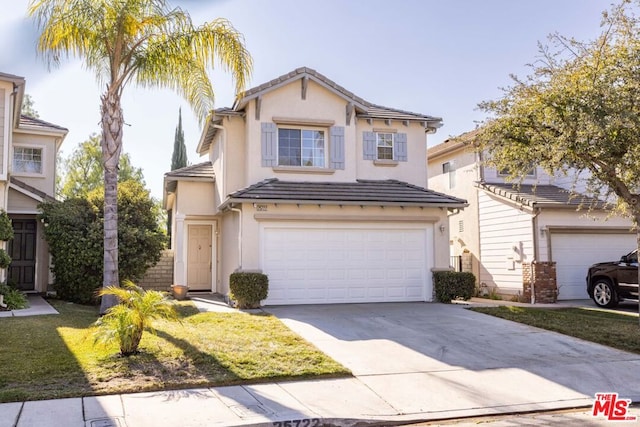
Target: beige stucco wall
{"x":431,"y":218}
{"x":228,"y":149}
{"x":244,"y":160}
{"x":229,"y":250}
{"x":466,"y":173}
{"x":286,"y":101}
{"x":194,"y":198}
{"x":45,"y":181}
{"x":413,"y":171}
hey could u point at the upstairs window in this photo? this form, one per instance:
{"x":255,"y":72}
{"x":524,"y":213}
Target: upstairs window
{"x":27,"y":160}
{"x":385,"y":148}
{"x":384,"y":144}
{"x":301,"y":147}
{"x":449,"y":169}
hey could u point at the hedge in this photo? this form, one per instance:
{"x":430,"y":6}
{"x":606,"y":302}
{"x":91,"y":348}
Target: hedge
{"x":248,"y":289}
{"x":450,"y":285}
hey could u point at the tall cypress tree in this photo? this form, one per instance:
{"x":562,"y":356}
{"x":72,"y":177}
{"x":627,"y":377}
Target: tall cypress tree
{"x":178,"y":160}
{"x":179,"y":157}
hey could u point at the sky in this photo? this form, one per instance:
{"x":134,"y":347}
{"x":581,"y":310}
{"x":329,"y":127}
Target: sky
{"x":435,"y":57}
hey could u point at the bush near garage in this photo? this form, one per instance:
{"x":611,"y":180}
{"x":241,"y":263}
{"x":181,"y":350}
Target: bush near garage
{"x":248,"y":289}
{"x":450,"y":285}
{"x":74,"y":231}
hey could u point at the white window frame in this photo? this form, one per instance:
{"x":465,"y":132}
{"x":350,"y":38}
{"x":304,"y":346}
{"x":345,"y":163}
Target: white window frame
{"x":378,"y":146}
{"x":43,"y":154}
{"x":531,"y":174}
{"x":325,"y":148}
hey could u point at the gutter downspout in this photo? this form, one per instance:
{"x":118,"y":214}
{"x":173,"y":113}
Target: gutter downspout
{"x":536,"y":250}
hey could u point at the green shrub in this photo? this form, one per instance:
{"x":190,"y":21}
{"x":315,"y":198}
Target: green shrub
{"x":14,"y":299}
{"x":248,"y":289}
{"x":5,"y":259}
{"x":450,"y":285}
{"x":74,"y":230}
{"x":6,"y":227}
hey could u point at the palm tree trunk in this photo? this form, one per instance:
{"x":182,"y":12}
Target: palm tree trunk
{"x":112,"y":121}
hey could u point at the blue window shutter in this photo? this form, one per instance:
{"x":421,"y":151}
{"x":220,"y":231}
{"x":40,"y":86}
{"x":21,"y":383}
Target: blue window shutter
{"x":400,"y":149}
{"x":269,"y":141}
{"x":336,"y":154}
{"x":369,"y":146}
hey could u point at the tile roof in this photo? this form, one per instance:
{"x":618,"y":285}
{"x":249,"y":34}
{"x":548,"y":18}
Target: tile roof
{"x":32,"y":122}
{"x":542,"y":196}
{"x":451,"y":144}
{"x":44,"y":196}
{"x":200,"y":171}
{"x":361,"y":192}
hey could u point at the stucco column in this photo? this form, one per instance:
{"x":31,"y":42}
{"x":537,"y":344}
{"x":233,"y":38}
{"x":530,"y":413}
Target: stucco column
{"x":179,"y":266}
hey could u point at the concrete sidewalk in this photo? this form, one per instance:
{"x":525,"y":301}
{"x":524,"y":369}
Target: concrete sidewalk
{"x":37,"y":307}
{"x":331,"y":402}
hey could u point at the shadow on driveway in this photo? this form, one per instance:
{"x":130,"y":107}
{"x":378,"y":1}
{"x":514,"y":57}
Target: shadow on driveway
{"x":420,"y":354}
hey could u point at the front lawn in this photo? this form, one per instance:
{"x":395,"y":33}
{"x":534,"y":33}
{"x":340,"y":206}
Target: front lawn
{"x":615,"y":330}
{"x":48,"y":357}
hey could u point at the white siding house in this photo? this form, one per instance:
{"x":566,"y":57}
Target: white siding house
{"x":543,"y":219}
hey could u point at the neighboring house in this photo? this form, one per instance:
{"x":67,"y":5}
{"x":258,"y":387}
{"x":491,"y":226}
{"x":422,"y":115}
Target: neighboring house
{"x":507,"y":226}
{"x":316,"y":187}
{"x":28,"y":149}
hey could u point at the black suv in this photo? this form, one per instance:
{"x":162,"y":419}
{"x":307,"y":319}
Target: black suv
{"x":611,"y":282}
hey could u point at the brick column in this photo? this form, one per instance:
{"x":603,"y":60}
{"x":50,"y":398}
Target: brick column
{"x":541,"y":278}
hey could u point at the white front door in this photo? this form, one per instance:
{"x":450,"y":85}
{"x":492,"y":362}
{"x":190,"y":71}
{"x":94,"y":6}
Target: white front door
{"x":199,"y":257}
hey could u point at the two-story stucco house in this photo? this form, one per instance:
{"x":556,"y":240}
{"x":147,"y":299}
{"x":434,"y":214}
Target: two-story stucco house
{"x":316,"y":187}
{"x":507,"y":226}
{"x":28,"y":149}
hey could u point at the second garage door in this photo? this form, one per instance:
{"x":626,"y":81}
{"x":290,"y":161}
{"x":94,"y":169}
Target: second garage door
{"x":338,"y":263}
{"x":574,"y":253}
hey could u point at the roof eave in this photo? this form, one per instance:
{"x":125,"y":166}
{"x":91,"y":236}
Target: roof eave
{"x":38,"y":130}
{"x":190,"y":178}
{"x":233,"y":200}
{"x":447,"y":150}
{"x":241,"y":103}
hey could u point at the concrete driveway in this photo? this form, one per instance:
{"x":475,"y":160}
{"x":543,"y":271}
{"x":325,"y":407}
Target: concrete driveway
{"x":437,"y":358}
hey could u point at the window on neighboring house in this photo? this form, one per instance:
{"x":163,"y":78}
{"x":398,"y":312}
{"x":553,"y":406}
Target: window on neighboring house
{"x":301,"y":147}
{"x":27,"y":160}
{"x":530,"y":174}
{"x":384,"y":144}
{"x":449,"y":169}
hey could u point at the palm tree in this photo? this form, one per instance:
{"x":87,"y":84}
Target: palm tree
{"x":125,"y":322}
{"x":143,"y":42}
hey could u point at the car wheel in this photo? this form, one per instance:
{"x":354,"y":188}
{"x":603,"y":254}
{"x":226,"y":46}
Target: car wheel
{"x":604,"y":295}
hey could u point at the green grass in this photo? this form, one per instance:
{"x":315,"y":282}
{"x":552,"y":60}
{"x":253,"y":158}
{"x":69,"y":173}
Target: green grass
{"x":48,"y":357}
{"x":620,"y":331}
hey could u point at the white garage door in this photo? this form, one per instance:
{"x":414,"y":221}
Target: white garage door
{"x":574,"y":253}
{"x":338,"y":263}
